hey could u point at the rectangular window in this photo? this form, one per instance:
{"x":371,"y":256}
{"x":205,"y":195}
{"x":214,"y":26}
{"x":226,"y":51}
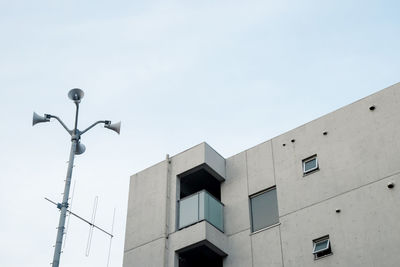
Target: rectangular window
{"x":310,"y":164}
{"x":322,"y":247}
{"x":264,"y":209}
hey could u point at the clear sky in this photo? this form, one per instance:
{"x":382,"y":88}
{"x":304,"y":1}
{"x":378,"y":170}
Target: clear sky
{"x":176,"y":73}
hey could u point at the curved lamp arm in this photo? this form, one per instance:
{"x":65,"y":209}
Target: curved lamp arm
{"x":91,"y":126}
{"x":60,"y":121}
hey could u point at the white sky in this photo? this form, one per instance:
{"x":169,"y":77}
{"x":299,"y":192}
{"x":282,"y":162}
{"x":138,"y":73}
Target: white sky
{"x":176,"y":73}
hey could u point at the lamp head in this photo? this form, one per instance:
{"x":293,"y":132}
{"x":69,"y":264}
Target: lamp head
{"x":38,"y":119}
{"x":76,"y":95}
{"x":116,"y":127}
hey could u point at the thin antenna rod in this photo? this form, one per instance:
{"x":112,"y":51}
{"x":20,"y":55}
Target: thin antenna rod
{"x":109,"y":248}
{"x":69,"y":215}
{"x":89,"y":242}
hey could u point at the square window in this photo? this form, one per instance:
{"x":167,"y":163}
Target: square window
{"x":322,"y":247}
{"x":310,"y":164}
{"x":264,"y":209}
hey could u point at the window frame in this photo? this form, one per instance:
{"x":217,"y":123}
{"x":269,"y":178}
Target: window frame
{"x":251,"y":209}
{"x":327,"y":248}
{"x":306,"y":160}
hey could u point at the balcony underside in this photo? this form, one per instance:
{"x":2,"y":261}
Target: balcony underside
{"x":201,"y":254}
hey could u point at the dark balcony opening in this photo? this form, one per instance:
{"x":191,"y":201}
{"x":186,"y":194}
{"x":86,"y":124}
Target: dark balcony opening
{"x":201,"y":255}
{"x":200,"y":178}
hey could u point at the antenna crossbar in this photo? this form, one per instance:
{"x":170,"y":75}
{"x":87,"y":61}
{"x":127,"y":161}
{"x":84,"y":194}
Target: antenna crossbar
{"x":79,"y":217}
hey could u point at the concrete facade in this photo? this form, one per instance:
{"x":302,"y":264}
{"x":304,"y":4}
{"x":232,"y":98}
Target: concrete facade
{"x":358,"y":152}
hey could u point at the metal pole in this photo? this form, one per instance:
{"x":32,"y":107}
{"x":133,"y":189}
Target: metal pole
{"x":77,"y":148}
{"x":64,"y":205}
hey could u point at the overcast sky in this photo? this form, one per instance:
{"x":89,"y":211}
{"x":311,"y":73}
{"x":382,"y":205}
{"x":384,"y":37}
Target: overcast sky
{"x":176,"y":73}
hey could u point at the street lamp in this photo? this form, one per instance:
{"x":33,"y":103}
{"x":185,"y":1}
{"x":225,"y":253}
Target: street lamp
{"x":77,"y":148}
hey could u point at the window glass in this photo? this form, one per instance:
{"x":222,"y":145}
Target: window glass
{"x":321,"y":245}
{"x":264,"y":210}
{"x":311,"y":164}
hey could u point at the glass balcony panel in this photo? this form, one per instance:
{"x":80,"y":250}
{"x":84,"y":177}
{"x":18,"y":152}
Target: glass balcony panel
{"x":214,"y":212}
{"x":201,"y":206}
{"x":189,"y":211}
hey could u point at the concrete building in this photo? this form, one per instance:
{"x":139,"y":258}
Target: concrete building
{"x":324,"y":194}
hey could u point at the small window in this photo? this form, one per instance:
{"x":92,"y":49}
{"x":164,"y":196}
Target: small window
{"x":310,"y":164}
{"x":264,"y":209}
{"x":322,"y":247}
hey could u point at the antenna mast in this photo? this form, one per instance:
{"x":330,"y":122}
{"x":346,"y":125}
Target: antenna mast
{"x":77,"y":148}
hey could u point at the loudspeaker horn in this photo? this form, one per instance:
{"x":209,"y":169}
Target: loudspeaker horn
{"x":116,"y":127}
{"x":80,"y":149}
{"x":38,"y":119}
{"x":76,"y":94}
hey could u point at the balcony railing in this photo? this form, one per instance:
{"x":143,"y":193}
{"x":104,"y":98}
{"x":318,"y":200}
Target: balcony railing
{"x":201,"y":206}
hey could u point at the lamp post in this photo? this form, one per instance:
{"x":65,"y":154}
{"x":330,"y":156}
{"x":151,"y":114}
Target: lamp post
{"x":77,"y":148}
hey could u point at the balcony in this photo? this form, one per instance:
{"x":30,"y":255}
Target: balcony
{"x":201,"y":206}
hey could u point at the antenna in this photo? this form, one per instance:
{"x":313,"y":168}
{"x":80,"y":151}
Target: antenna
{"x":77,"y":148}
{"x":91,"y":226}
{"x":112,"y":231}
{"x":79,"y":217}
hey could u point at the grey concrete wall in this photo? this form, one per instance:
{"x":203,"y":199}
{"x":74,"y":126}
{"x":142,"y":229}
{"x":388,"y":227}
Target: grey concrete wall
{"x":260,"y":168}
{"x":266,"y":246}
{"x":365,"y":232}
{"x":195,"y":234}
{"x":196,"y":156}
{"x":357,"y":158}
{"x":146,"y":211}
{"x":240,"y":253}
{"x":361,"y":146}
{"x":234,"y":195}
{"x":247,"y":173}
{"x":146,"y":255}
